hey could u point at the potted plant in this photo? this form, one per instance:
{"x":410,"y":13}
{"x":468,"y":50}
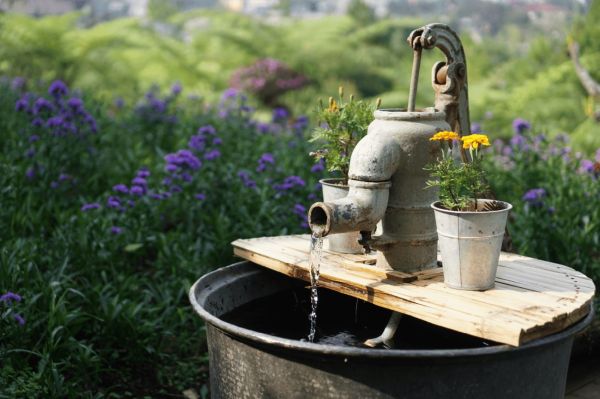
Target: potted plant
{"x":341,"y":125}
{"x":470,"y":227}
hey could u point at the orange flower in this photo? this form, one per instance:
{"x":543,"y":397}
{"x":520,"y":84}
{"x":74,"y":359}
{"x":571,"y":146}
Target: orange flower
{"x":445,"y":136}
{"x":475,"y":140}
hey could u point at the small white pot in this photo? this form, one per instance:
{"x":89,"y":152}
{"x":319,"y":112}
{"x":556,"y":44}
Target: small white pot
{"x":470,"y":244}
{"x":346,"y":243}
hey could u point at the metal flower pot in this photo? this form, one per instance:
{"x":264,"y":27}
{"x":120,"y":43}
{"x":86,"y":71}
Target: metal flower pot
{"x":470,"y":244}
{"x":346,"y":243}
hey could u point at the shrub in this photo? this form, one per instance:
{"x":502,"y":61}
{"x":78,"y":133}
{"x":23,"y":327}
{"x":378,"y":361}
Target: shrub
{"x":554,"y":194}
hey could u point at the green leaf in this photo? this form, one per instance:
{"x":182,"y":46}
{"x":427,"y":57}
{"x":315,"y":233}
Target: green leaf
{"x":133,"y":247}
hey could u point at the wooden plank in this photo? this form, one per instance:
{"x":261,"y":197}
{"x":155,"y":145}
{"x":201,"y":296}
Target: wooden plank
{"x":531,"y":298}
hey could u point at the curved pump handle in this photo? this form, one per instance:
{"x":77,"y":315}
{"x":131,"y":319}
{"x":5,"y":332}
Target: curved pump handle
{"x":449,"y":78}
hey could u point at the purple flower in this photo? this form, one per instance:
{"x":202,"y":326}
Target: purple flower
{"x":33,"y":138}
{"x":197,"y":142}
{"x":158,"y":106}
{"x":280,"y":114}
{"x":587,"y":166}
{"x":75,"y":104}
{"x":229,"y":94}
{"x":207,"y":129}
{"x":176,"y":89}
{"x":9,"y":297}
{"x":246,"y":180}
{"x":517,"y":141}
{"x":144,"y":172}
{"x":116,"y":230}
{"x":217,"y":141}
{"x":521,"y":125}
{"x":476,"y":127}
{"x":186,"y":177}
{"x":19,"y":319}
{"x":30,"y":173}
{"x":299,"y":210}
{"x":300,"y":124}
{"x":64,"y":177}
{"x":119,"y":102}
{"x":90,"y":206}
{"x":17,"y":83}
{"x":263,"y":127}
{"x":200,"y":196}
{"x":121,"y":188}
{"x":30,"y":153}
{"x":137,"y":191}
{"x":37,"y":122}
{"x":40,"y":105}
{"x":140,"y":181}
{"x":265,"y":159}
{"x":212,"y":155}
{"x":289,"y":183}
{"x":54,"y":185}
{"x":183,"y":158}
{"x":58,"y":88}
{"x":170,"y":168}
{"x":535,"y":196}
{"x":113,"y":202}
{"x":55,"y":121}
{"x":22,"y":104}
{"x":318,"y":167}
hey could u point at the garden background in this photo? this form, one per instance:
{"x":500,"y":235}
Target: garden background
{"x":134,"y":150}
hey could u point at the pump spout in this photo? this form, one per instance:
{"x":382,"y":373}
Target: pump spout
{"x":362,"y":209}
{"x":372,"y":164}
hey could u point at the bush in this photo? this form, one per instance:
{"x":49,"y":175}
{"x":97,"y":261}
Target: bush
{"x":554,"y":193}
{"x":103,"y":260}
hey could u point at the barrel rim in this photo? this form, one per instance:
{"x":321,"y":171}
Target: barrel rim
{"x":241,"y":269}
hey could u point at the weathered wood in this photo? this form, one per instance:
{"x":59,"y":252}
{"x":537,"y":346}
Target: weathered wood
{"x":531,"y":299}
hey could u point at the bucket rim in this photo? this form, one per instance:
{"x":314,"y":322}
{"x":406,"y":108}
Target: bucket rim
{"x":210,"y":282}
{"x":507,"y":208}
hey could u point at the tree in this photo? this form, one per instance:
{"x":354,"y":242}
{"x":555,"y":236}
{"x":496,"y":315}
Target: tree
{"x":361,"y":12}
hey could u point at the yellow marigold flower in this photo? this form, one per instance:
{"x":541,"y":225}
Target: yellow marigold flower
{"x":445,"y":136}
{"x":475,"y":140}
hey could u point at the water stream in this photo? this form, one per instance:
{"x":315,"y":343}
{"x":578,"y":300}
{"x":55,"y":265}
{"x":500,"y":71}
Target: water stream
{"x":316,"y":253}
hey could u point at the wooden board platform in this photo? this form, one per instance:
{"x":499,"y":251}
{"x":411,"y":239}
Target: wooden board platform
{"x":531,"y":298}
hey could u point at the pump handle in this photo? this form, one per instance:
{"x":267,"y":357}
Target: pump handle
{"x":449,"y":78}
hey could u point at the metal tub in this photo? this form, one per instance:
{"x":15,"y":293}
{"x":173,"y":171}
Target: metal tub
{"x":250,"y":364}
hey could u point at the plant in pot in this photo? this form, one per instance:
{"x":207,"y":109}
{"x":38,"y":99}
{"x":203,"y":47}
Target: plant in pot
{"x":470,"y":227}
{"x":341,"y":125}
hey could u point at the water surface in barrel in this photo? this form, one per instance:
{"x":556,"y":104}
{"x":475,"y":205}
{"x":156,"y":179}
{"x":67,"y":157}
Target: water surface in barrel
{"x":343,"y":321}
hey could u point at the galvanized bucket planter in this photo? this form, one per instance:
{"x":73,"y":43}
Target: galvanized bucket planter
{"x":470,"y":244}
{"x":346,"y":243}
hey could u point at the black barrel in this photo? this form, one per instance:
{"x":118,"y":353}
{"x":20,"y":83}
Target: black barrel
{"x":249,"y":364}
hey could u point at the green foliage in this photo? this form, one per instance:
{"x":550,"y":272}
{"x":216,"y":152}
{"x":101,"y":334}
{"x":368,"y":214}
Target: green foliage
{"x":361,"y":12}
{"x":341,"y":126}
{"x":460,"y":183}
{"x":555,"y":215}
{"x":106,"y":312}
